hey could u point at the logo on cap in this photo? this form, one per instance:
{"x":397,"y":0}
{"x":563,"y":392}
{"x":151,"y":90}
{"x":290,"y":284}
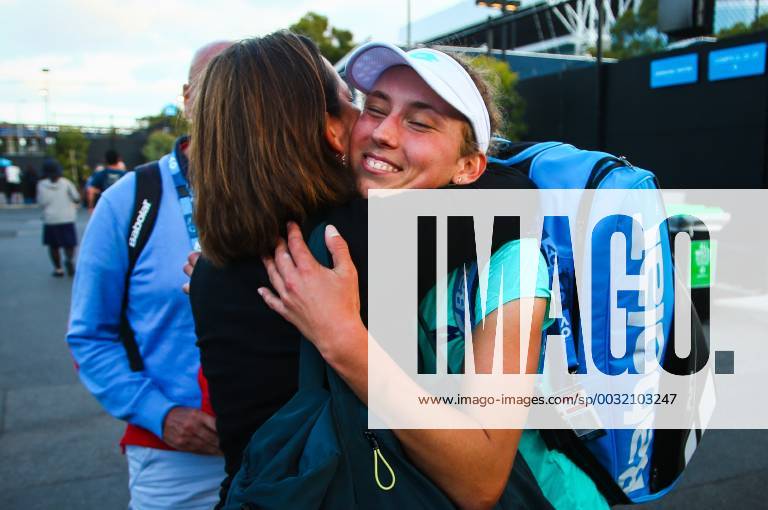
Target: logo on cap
{"x":423,"y":55}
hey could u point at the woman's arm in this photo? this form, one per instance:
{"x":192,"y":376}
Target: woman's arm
{"x":472,"y":466}
{"x":73,"y":194}
{"x":43,"y":197}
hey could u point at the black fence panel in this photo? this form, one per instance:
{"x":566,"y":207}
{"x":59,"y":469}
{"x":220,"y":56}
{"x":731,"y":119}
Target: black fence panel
{"x":129,"y":147}
{"x":709,"y":134}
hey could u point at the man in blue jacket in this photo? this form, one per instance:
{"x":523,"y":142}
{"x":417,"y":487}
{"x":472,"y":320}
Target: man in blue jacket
{"x":170,"y":443}
{"x":103,"y":179}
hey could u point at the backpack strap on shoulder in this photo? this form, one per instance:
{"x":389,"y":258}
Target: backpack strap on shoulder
{"x":149,"y":190}
{"x":312,"y":367}
{"x":567,"y":443}
{"x":509,"y":153}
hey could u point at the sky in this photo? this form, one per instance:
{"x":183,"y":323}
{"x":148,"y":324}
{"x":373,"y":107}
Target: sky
{"x":112,"y":61}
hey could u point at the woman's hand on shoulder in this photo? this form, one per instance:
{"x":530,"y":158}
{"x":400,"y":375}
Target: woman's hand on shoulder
{"x":323,"y":303}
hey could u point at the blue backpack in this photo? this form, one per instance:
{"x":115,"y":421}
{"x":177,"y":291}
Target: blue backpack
{"x":628,"y":466}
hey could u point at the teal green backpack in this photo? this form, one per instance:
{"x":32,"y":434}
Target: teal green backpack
{"x":316,"y":452}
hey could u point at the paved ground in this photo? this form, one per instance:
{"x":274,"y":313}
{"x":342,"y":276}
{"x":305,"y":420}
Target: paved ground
{"x":59,"y":450}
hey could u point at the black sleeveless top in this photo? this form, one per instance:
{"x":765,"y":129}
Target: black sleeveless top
{"x":248,"y":353}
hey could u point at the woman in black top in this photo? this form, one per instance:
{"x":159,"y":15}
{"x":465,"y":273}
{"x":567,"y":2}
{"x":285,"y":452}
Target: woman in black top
{"x":270,"y":130}
{"x":248,"y":353}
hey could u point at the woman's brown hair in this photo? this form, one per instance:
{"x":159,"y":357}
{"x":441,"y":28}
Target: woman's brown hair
{"x":258,"y":152}
{"x":484,"y":83}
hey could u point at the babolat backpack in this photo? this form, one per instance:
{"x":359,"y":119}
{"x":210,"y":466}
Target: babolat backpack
{"x":628,"y":466}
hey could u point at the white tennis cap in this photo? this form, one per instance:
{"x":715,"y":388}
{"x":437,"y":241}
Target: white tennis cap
{"x":440,"y":71}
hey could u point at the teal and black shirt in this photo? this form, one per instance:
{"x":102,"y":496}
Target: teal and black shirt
{"x":516,"y":269}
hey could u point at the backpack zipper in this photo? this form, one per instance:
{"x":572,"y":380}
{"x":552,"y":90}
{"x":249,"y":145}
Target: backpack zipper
{"x":601,"y":169}
{"x":626,"y":161}
{"x":373,"y":441}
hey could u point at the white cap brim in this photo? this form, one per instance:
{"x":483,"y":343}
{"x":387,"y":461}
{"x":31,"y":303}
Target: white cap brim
{"x":441,"y":72}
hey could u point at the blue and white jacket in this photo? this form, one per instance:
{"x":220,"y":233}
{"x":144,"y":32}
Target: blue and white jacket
{"x":158,"y":310}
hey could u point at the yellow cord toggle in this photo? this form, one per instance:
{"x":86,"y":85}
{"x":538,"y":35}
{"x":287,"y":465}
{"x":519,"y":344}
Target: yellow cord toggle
{"x":376,"y":456}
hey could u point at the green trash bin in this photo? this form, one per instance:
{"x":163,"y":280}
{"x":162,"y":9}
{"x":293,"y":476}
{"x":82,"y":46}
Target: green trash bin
{"x":703,"y":249}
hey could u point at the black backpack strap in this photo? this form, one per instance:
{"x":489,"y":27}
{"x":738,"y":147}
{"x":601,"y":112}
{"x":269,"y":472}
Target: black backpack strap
{"x":669,"y":458}
{"x":566,"y":442}
{"x":149,"y":190}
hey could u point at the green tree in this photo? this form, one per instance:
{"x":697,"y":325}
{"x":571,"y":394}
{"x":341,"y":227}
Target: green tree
{"x":171,"y":120}
{"x":635,"y":33}
{"x":163,"y":128}
{"x":509,"y":101}
{"x":333,"y":42}
{"x":71,"y":151}
{"x":744,"y":28}
{"x":159,"y":143}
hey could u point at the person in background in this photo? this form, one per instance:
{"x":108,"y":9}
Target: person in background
{"x":3,"y":165}
{"x":101,"y":180}
{"x":58,"y":197}
{"x":170,"y":442}
{"x":29,"y":184}
{"x":12,"y":184}
{"x":83,"y":183}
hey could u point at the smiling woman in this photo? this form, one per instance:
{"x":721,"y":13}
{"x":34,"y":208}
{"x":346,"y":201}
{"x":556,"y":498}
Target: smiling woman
{"x":429,"y":156}
{"x":409,"y":136}
{"x":427,"y":124}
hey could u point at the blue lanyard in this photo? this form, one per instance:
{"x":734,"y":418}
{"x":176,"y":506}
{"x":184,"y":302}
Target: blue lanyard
{"x":184,"y":195}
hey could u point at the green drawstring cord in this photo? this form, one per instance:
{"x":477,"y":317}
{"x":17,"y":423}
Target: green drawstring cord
{"x":376,"y":456}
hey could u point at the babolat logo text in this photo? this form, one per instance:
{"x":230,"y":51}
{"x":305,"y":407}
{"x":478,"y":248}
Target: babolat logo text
{"x":141,"y":217}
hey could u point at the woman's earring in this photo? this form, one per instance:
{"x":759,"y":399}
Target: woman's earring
{"x":342,"y":158}
{"x":459,"y":179}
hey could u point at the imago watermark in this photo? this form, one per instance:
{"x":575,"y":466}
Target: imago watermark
{"x":549,"y":309}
